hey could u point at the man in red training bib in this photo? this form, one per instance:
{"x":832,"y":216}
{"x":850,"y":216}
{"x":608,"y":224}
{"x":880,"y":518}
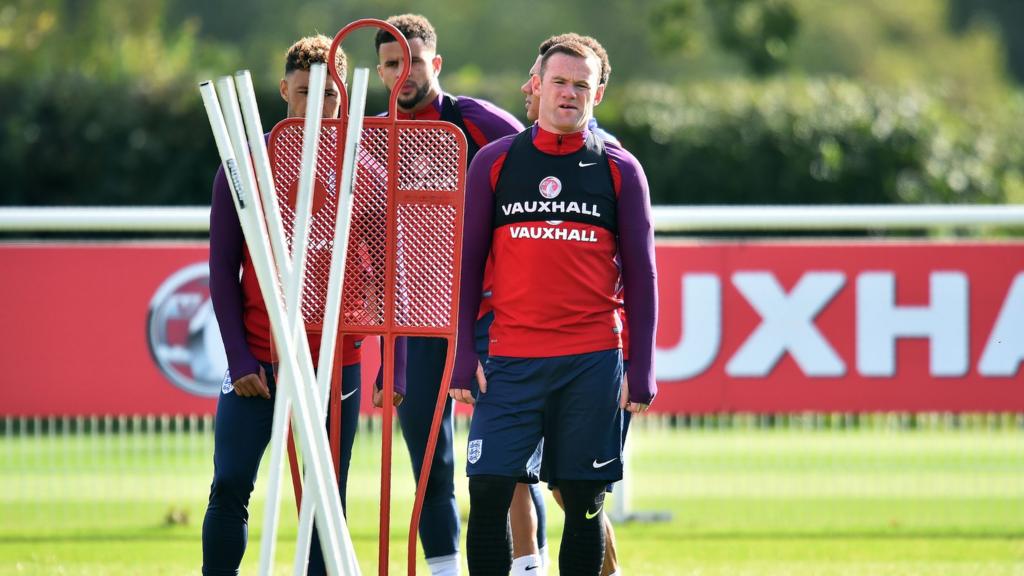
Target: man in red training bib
{"x":560,"y":208}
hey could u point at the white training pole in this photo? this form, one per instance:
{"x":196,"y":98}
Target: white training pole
{"x":314,"y":446}
{"x":293,"y":286}
{"x":623,"y":492}
{"x":264,"y":174}
{"x":307,"y":172}
{"x":282,"y":400}
{"x":304,"y":201}
{"x":307,"y":175}
{"x":282,"y":406}
{"x":335,"y":283}
{"x":310,"y":412}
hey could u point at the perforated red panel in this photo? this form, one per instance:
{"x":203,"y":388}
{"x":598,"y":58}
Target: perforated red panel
{"x":286,"y":146}
{"x":429,"y":169}
{"x":366,"y":262}
{"x":426,"y":265}
{"x":429,"y":159}
{"x":425,"y":204}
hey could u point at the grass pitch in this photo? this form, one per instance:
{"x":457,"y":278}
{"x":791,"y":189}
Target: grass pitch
{"x":743,"y":502}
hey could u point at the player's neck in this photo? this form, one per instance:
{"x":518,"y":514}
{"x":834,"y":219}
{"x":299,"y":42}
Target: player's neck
{"x":552,"y":129}
{"x":558,"y":143}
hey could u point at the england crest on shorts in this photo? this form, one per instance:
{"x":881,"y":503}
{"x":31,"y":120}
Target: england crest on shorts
{"x":476,"y":448}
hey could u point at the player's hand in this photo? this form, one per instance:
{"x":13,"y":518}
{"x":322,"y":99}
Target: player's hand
{"x":636,"y":407}
{"x":253,"y":385}
{"x":378,"y":398}
{"x":625,"y":404}
{"x":481,"y":380}
{"x":466,"y":396}
{"x":462,"y":395}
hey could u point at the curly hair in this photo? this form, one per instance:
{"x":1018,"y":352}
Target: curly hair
{"x":589,"y":42}
{"x":311,"y":50}
{"x":411,"y":26}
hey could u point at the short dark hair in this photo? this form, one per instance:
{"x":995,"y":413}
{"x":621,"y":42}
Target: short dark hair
{"x":312,"y":50}
{"x":572,"y":48}
{"x":411,"y":26}
{"x":589,"y":42}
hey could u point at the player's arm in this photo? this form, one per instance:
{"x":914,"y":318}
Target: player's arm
{"x":478,"y":228}
{"x":639,"y":275}
{"x":226,"y":246}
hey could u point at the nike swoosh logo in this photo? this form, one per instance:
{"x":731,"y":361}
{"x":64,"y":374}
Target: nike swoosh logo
{"x":603,"y":464}
{"x":584,"y":165}
{"x":344,"y":396}
{"x":528,"y":568}
{"x":592,"y":516}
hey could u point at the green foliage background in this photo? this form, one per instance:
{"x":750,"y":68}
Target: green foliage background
{"x":731,"y":101}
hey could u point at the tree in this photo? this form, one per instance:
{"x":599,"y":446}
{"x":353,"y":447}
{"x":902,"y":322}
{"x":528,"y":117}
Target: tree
{"x":1007,"y":15}
{"x":759,"y":32}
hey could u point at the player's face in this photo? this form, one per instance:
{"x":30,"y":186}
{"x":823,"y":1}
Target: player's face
{"x":295,"y":91}
{"x":532,"y":104}
{"x":421,"y":86}
{"x":568,"y":92}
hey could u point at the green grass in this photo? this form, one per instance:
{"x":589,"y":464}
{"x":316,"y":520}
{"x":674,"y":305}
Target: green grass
{"x":757,"y":502}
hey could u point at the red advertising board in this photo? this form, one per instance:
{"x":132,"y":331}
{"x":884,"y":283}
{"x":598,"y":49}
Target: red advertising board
{"x":115,"y":328}
{"x":127,"y":328}
{"x":840,"y":326}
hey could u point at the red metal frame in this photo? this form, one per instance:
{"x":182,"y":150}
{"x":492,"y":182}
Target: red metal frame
{"x":420,"y":166}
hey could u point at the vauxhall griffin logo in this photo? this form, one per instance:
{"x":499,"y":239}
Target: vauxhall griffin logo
{"x":550,"y":187}
{"x":182,"y":332}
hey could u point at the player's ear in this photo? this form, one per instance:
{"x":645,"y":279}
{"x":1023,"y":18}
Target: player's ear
{"x":436,"y":63}
{"x":380,"y":72}
{"x":535,"y":83}
{"x":284,"y":89}
{"x":599,"y":94}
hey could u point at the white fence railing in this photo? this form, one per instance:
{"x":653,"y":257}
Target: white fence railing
{"x":837,"y":217}
{"x":666,"y":218}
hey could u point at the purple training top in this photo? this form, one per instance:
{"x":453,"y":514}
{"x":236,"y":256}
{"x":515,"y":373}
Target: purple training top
{"x":635,"y":248}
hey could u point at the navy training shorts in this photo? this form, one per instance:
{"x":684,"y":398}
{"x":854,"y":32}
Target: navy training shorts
{"x":572,"y":402}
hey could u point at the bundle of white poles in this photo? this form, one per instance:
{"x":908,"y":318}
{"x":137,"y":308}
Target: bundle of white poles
{"x":301,"y":392}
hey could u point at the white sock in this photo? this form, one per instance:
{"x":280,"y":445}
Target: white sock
{"x":444,"y":565}
{"x":545,"y":560}
{"x":529,"y":565}
{"x":616,"y":573}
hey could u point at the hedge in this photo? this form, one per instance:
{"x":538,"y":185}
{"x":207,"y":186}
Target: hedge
{"x":728,"y":142}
